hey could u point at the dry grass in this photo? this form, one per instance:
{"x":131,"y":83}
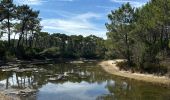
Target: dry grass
{"x":110,"y":67}
{"x":4,"y":97}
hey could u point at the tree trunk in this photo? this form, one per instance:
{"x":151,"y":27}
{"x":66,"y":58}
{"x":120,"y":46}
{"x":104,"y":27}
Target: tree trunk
{"x":9,"y":33}
{"x":127,"y":50}
{"x":31,"y":39}
{"x":17,"y":80}
{"x":20,"y":37}
{"x":26,"y":40}
{"x":22,"y":32}
{"x":14,"y":40}
{"x":7,"y":83}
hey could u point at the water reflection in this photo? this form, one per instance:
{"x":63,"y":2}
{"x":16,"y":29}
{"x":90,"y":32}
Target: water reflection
{"x":72,"y":91}
{"x":78,"y":82}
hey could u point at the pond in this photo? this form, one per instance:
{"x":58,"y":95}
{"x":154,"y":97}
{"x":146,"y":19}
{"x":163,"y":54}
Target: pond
{"x":86,"y":81}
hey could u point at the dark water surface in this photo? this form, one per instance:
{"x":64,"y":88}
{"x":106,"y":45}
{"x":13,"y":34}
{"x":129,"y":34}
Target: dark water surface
{"x":79,"y":82}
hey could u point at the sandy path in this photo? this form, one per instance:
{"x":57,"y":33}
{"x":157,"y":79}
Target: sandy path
{"x":110,"y":67}
{"x":4,"y":97}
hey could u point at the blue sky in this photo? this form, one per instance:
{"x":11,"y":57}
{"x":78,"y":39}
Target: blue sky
{"x":83,"y":17}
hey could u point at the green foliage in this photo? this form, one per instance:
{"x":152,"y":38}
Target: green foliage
{"x":154,"y":68}
{"x":8,"y":14}
{"x":23,"y":21}
{"x":74,"y":46}
{"x":144,"y":41}
{"x":51,"y":52}
{"x":139,"y":35}
{"x":27,"y":53}
{"x":2,"y":50}
{"x":119,"y":31}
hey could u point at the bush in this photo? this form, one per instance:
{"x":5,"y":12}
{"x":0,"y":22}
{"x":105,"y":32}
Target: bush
{"x":151,"y":68}
{"x":27,"y":52}
{"x":111,"y":54}
{"x":51,"y":52}
{"x":124,"y":66}
{"x":2,"y":50}
{"x":9,"y":56}
{"x":154,"y":68}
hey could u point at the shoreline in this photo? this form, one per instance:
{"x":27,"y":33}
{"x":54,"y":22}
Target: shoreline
{"x":110,"y":67}
{"x":6,"y":97}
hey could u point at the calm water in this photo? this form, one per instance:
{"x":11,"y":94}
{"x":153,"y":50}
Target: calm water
{"x":82,"y":82}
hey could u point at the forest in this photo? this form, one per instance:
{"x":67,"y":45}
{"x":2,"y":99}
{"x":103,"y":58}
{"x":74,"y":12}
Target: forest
{"x":139,"y":35}
{"x":64,"y":63}
{"x":24,"y":22}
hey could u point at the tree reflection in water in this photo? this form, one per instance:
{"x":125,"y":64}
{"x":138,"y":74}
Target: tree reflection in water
{"x":99,"y":85}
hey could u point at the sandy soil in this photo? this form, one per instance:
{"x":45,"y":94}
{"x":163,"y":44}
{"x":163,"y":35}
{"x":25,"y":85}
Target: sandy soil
{"x":4,"y":97}
{"x":110,"y":67}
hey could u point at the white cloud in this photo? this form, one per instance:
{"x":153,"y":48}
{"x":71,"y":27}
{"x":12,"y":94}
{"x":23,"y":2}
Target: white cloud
{"x":30,"y":2}
{"x":81,"y":91}
{"x":36,"y":2}
{"x":87,"y":16}
{"x":5,"y":36}
{"x":65,"y":0}
{"x":106,"y":7}
{"x":134,"y":3}
{"x":78,"y":24}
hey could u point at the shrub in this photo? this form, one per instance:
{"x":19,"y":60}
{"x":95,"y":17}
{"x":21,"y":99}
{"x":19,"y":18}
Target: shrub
{"x":27,"y":52}
{"x":51,"y":52}
{"x":123,"y":66}
{"x":2,"y":50}
{"x":154,"y":68}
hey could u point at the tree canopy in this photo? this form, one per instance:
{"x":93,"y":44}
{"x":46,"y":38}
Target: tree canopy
{"x":24,"y":22}
{"x":140,"y":35}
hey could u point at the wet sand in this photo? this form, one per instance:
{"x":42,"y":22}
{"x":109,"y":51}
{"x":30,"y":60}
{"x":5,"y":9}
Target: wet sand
{"x":110,"y":67}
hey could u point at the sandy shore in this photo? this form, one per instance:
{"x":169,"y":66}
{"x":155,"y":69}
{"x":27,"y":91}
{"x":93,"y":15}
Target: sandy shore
{"x":4,"y":97}
{"x":110,"y":67}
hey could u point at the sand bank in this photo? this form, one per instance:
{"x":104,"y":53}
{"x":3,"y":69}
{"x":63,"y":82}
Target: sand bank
{"x":110,"y":67}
